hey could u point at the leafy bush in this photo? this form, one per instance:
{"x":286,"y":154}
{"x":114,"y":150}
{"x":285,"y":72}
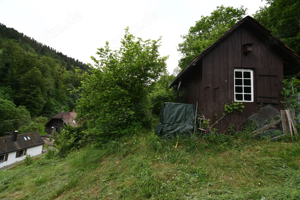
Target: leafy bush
{"x":70,"y":139}
{"x":114,"y":97}
{"x":28,"y":160}
{"x":12,"y":117}
{"x":161,"y":93}
{"x":36,"y":125}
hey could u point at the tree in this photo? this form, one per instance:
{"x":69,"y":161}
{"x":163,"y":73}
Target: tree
{"x":114,"y":97}
{"x":283,"y":19}
{"x":31,"y":91}
{"x":207,"y":30}
{"x":12,"y":117}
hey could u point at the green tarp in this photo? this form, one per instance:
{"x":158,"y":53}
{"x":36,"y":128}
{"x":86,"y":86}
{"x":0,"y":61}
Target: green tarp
{"x":175,"y":118}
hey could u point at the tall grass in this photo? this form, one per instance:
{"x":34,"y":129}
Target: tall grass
{"x":144,"y":166}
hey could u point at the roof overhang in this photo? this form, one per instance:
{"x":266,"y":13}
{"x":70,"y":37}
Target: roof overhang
{"x":267,"y":33}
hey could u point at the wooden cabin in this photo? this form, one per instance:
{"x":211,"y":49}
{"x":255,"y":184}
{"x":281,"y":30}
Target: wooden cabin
{"x":58,"y":121}
{"x":247,"y":64}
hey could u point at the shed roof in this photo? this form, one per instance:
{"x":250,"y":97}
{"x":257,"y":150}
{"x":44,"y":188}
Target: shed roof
{"x":256,"y":24}
{"x":67,"y":117}
{"x":24,"y":141}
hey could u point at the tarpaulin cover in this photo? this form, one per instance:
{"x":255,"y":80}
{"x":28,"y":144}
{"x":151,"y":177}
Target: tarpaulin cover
{"x":175,"y":118}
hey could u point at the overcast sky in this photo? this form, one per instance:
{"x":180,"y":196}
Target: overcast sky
{"x":78,"y":28}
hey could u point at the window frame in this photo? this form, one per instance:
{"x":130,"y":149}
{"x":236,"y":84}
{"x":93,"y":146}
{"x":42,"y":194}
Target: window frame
{"x":18,"y":153}
{"x":5,"y":157}
{"x":243,"y":92}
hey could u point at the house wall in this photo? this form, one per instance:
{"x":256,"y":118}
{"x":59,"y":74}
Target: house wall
{"x":58,"y":123}
{"x":33,"y":151}
{"x":217,"y":77}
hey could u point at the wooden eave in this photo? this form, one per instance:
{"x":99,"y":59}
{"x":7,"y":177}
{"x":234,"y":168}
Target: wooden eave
{"x":267,"y":33}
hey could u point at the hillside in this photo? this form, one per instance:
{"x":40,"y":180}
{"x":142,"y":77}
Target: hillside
{"x":35,"y":80}
{"x":144,"y":166}
{"x":32,"y":45}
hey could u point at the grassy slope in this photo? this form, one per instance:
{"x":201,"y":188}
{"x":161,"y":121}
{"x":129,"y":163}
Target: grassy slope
{"x":144,"y":166}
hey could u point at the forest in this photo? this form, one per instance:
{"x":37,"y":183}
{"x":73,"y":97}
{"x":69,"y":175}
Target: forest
{"x":35,"y":81}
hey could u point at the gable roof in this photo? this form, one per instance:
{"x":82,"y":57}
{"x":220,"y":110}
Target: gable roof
{"x":259,"y":27}
{"x":67,"y":117}
{"x":7,"y":145}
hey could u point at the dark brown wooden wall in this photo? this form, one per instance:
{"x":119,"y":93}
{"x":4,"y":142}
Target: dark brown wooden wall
{"x":213,"y":84}
{"x":58,"y":123}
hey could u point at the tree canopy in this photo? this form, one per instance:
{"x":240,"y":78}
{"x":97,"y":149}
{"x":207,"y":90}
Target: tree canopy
{"x":36,"y":81}
{"x":114,"y":98}
{"x":207,"y":30}
{"x":283,"y":19}
{"x":12,"y":117}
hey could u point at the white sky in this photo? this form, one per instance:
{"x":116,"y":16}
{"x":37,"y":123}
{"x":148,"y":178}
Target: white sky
{"x":78,"y":28}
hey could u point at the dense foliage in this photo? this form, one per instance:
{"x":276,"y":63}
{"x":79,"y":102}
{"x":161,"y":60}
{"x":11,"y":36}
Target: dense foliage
{"x":31,"y":45}
{"x":114,"y":98}
{"x":207,"y":30}
{"x":35,"y":125}
{"x":35,"y":80}
{"x":161,"y":93}
{"x":12,"y":117}
{"x":38,"y":82}
{"x":291,"y":92}
{"x":282,"y":18}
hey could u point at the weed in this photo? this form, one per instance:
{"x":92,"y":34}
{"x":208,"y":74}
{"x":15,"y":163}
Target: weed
{"x":28,"y":160}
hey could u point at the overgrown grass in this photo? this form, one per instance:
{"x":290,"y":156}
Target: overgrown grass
{"x":144,"y":166}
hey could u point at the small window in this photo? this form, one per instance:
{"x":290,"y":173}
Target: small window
{"x":2,"y":158}
{"x":243,"y":85}
{"x":21,"y":153}
{"x":25,"y":138}
{"x":28,"y":138}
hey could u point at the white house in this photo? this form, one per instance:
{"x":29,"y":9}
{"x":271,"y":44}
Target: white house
{"x":15,"y":148}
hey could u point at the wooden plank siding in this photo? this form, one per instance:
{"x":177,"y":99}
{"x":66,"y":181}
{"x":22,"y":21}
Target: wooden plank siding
{"x":211,"y":83}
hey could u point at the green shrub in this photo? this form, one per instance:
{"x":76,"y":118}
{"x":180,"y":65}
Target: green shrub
{"x":114,"y":97}
{"x":28,"y":160}
{"x":36,"y":125}
{"x":71,"y":138}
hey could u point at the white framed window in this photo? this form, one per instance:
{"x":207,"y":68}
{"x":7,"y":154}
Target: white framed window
{"x":243,"y":85}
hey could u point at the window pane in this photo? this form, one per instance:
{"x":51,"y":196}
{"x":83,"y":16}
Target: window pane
{"x":247,"y":82}
{"x":238,"y":75}
{"x":238,"y":81}
{"x":247,"y":89}
{"x":239,"y":97}
{"x":247,"y":75}
{"x":2,"y":158}
{"x":243,"y":85}
{"x":247,"y":97}
{"x":239,"y":89}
